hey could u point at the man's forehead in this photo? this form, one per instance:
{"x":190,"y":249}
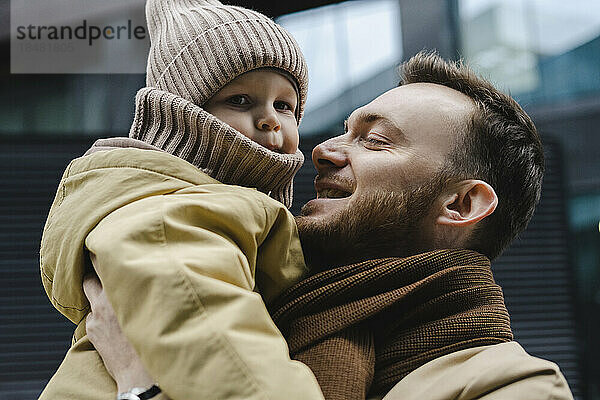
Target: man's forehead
{"x":423,"y":98}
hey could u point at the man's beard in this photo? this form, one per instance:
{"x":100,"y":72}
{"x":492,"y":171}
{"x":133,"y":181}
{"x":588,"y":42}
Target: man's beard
{"x":376,"y":225}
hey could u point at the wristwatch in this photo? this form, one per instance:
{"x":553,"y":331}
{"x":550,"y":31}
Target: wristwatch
{"x":139,"y":393}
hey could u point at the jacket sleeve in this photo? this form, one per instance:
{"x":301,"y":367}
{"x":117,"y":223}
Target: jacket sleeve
{"x":548,"y":384}
{"x":179,"y":271}
{"x":493,"y":372}
{"x":513,"y":375}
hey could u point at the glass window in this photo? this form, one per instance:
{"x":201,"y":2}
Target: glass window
{"x":345,"y":44}
{"x":539,"y":50}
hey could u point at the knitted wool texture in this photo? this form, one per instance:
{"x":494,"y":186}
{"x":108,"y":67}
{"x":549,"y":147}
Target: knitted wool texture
{"x":181,"y":128}
{"x":361,"y":328}
{"x":198,"y":46}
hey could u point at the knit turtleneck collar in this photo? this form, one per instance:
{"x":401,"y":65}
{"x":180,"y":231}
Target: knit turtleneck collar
{"x":187,"y":131}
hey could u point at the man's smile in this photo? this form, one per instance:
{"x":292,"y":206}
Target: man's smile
{"x":333,"y":188}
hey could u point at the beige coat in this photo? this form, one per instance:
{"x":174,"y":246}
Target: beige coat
{"x":180,"y":256}
{"x":497,"y":372}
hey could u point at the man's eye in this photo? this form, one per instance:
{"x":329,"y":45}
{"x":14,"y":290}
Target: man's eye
{"x":283,"y":106}
{"x":375,"y":140}
{"x":238,"y":100}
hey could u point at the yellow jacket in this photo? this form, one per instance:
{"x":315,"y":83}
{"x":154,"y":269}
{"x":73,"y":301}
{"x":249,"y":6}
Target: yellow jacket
{"x":179,"y":255}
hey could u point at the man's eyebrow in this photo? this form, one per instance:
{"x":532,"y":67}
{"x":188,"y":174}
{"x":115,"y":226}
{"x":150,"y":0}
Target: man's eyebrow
{"x":366,"y":117}
{"x":369,"y":117}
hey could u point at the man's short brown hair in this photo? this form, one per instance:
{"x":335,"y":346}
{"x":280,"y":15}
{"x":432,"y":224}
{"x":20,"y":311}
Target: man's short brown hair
{"x":500,"y":146}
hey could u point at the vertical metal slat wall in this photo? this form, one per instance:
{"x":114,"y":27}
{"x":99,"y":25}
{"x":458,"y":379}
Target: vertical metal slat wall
{"x":33,"y":335}
{"x":538,"y":280}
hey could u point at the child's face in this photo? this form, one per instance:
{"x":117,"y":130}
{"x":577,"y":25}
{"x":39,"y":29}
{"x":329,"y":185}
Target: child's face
{"x":261,"y":104}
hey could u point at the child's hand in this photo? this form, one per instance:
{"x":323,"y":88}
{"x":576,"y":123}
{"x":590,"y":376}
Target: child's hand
{"x":103,"y":330}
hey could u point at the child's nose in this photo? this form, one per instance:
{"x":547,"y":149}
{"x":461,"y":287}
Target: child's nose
{"x":268,"y":121}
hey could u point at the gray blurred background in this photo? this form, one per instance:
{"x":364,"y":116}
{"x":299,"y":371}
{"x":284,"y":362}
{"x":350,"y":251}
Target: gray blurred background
{"x":546,"y":53}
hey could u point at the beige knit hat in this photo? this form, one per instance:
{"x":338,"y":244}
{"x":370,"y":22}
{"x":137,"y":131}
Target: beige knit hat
{"x":198,"y":46}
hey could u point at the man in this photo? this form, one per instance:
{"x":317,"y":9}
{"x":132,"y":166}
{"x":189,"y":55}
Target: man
{"x":429,"y":182}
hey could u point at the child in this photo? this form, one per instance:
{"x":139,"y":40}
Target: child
{"x":179,"y":247}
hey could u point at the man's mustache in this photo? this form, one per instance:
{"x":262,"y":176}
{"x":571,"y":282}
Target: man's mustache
{"x":333,"y":179}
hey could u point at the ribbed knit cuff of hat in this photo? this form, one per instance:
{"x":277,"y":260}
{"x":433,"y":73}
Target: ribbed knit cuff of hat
{"x":187,"y":131}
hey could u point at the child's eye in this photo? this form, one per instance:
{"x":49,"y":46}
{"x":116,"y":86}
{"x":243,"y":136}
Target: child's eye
{"x":239,"y":100}
{"x":283,"y":106}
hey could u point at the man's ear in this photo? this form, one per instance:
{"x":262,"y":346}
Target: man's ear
{"x":467,"y":203}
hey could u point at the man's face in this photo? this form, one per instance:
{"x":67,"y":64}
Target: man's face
{"x":377,"y":183}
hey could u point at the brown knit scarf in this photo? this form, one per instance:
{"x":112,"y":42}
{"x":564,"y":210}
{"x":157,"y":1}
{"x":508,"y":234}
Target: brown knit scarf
{"x":363,"y":327}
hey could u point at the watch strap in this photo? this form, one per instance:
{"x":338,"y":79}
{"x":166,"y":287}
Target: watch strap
{"x":139,"y":393}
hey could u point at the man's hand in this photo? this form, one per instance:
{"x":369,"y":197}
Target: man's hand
{"x":103,"y":330}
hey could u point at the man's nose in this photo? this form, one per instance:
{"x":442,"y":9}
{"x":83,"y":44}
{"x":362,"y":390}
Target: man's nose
{"x":267,"y":121}
{"x":330,"y":153}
